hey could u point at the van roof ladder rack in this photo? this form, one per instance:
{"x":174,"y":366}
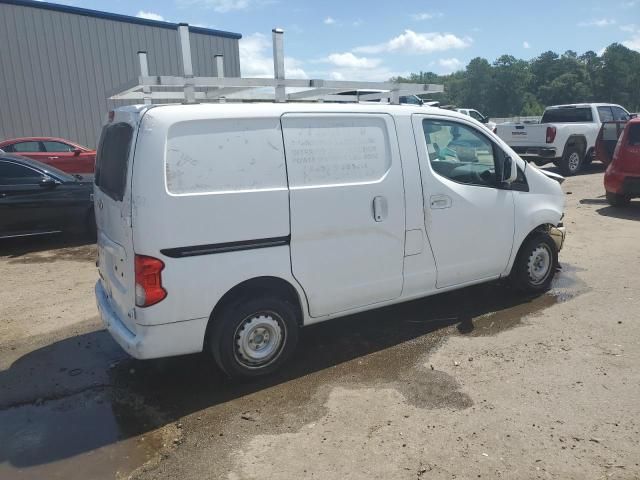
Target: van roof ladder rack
{"x":188,"y":88}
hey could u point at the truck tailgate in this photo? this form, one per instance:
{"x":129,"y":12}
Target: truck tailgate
{"x":518,"y":134}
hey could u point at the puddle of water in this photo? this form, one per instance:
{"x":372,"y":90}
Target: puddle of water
{"x":566,"y":285}
{"x":87,"y":436}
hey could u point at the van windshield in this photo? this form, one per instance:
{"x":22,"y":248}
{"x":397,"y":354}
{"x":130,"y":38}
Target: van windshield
{"x":567,"y":115}
{"x":112,"y":159}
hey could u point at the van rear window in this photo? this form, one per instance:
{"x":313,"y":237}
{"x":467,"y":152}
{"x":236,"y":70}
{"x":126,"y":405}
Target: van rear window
{"x":567,"y":115}
{"x":112,"y":159}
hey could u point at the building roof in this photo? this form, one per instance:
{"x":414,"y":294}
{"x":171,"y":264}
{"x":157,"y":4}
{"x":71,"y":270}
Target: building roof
{"x":117,"y":17}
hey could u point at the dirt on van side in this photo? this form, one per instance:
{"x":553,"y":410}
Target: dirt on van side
{"x":478,"y":383}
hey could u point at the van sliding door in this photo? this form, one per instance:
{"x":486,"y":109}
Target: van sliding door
{"x":347,"y":209}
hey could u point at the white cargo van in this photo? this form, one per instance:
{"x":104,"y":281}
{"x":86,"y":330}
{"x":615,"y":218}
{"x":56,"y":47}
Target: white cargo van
{"x":226,"y":227}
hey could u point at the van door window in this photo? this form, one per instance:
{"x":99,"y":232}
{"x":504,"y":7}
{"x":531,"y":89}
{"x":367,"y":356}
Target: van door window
{"x":112,"y":159}
{"x":460,"y":153}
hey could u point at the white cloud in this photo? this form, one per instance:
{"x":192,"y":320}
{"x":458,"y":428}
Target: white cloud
{"x":526,"y":44}
{"x":450,"y":64}
{"x":220,"y":6}
{"x":150,"y":16}
{"x":425,"y":16}
{"x":357,"y":23}
{"x":629,"y":4}
{"x":599,"y":22}
{"x":329,"y":21}
{"x":256,"y":59}
{"x":634,"y":42}
{"x":349,"y":60}
{"x":412,"y":42}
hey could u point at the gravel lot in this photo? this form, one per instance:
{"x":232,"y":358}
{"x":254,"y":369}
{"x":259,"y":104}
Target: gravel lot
{"x":478,"y":383}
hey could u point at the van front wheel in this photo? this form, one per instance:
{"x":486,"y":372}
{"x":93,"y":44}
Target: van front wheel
{"x":536,"y":264}
{"x":254,"y":337}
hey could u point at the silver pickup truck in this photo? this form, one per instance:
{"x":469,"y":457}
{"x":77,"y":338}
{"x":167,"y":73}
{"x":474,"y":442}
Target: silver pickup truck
{"x":566,"y":134}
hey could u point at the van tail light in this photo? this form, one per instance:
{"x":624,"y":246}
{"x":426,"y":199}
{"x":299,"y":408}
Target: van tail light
{"x":495,"y":130}
{"x":149,"y":289}
{"x":551,"y":134}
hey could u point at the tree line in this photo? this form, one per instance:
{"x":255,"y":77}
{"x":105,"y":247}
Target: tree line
{"x":515,"y":87}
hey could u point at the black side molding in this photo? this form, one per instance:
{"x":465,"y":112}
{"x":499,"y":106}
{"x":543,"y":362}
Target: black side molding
{"x":181,"y":252}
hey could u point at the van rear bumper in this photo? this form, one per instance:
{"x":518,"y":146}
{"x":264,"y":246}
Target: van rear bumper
{"x":155,"y":341}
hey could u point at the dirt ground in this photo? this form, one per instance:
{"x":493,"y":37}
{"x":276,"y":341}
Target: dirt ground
{"x":479,"y":383}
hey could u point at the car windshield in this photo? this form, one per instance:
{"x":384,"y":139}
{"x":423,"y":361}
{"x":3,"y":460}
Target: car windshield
{"x":567,"y":115}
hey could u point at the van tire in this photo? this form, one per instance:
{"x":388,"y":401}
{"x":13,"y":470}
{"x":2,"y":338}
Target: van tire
{"x":267,"y":320}
{"x":617,"y":200}
{"x":571,"y":162}
{"x":536,"y":264}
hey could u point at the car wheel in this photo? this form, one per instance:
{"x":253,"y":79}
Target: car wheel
{"x":617,"y":200}
{"x":536,"y":264}
{"x":571,"y":161}
{"x":254,"y":337}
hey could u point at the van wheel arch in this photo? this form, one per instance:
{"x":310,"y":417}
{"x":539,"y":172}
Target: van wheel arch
{"x":544,"y":228}
{"x":275,"y":286}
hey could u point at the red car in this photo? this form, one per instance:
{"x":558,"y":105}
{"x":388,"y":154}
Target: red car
{"x":622,"y":178}
{"x":57,"y":152}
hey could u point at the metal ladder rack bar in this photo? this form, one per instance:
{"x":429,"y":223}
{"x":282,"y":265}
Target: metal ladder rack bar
{"x":191,"y":89}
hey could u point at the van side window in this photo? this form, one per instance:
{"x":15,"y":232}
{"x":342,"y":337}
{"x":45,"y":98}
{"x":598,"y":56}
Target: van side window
{"x":460,"y":153}
{"x":226,"y":155}
{"x":336,"y":150}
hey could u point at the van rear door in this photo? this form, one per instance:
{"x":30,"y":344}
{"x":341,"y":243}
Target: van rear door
{"x":112,"y":198}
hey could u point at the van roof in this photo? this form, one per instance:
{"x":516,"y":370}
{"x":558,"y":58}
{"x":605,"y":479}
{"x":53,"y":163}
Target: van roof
{"x":260,"y":109}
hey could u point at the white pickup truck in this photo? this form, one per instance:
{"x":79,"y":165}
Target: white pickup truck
{"x":566,"y":134}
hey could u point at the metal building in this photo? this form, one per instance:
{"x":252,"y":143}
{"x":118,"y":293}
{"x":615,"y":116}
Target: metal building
{"x":59,"y":64}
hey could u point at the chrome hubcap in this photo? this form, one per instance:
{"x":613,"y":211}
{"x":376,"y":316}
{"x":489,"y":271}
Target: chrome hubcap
{"x":574,"y":161}
{"x":259,"y":339}
{"x":539,"y":265}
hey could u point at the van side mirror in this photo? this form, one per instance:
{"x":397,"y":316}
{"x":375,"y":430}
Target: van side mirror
{"x":509,"y":171}
{"x":76,"y":151}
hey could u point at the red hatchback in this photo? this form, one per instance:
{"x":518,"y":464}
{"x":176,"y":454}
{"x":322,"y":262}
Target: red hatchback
{"x":622,"y":178}
{"x":57,"y":152}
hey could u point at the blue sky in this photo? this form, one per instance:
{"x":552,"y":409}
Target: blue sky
{"x":372,"y":40}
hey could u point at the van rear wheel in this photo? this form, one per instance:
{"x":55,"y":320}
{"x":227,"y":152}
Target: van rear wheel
{"x":536,"y":264}
{"x":254,"y":337}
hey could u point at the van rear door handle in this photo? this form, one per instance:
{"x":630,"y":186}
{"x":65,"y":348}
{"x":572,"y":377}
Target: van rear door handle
{"x":440,"y":201}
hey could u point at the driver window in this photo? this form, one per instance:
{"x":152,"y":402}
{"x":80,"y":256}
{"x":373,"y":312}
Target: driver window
{"x":460,"y":153}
